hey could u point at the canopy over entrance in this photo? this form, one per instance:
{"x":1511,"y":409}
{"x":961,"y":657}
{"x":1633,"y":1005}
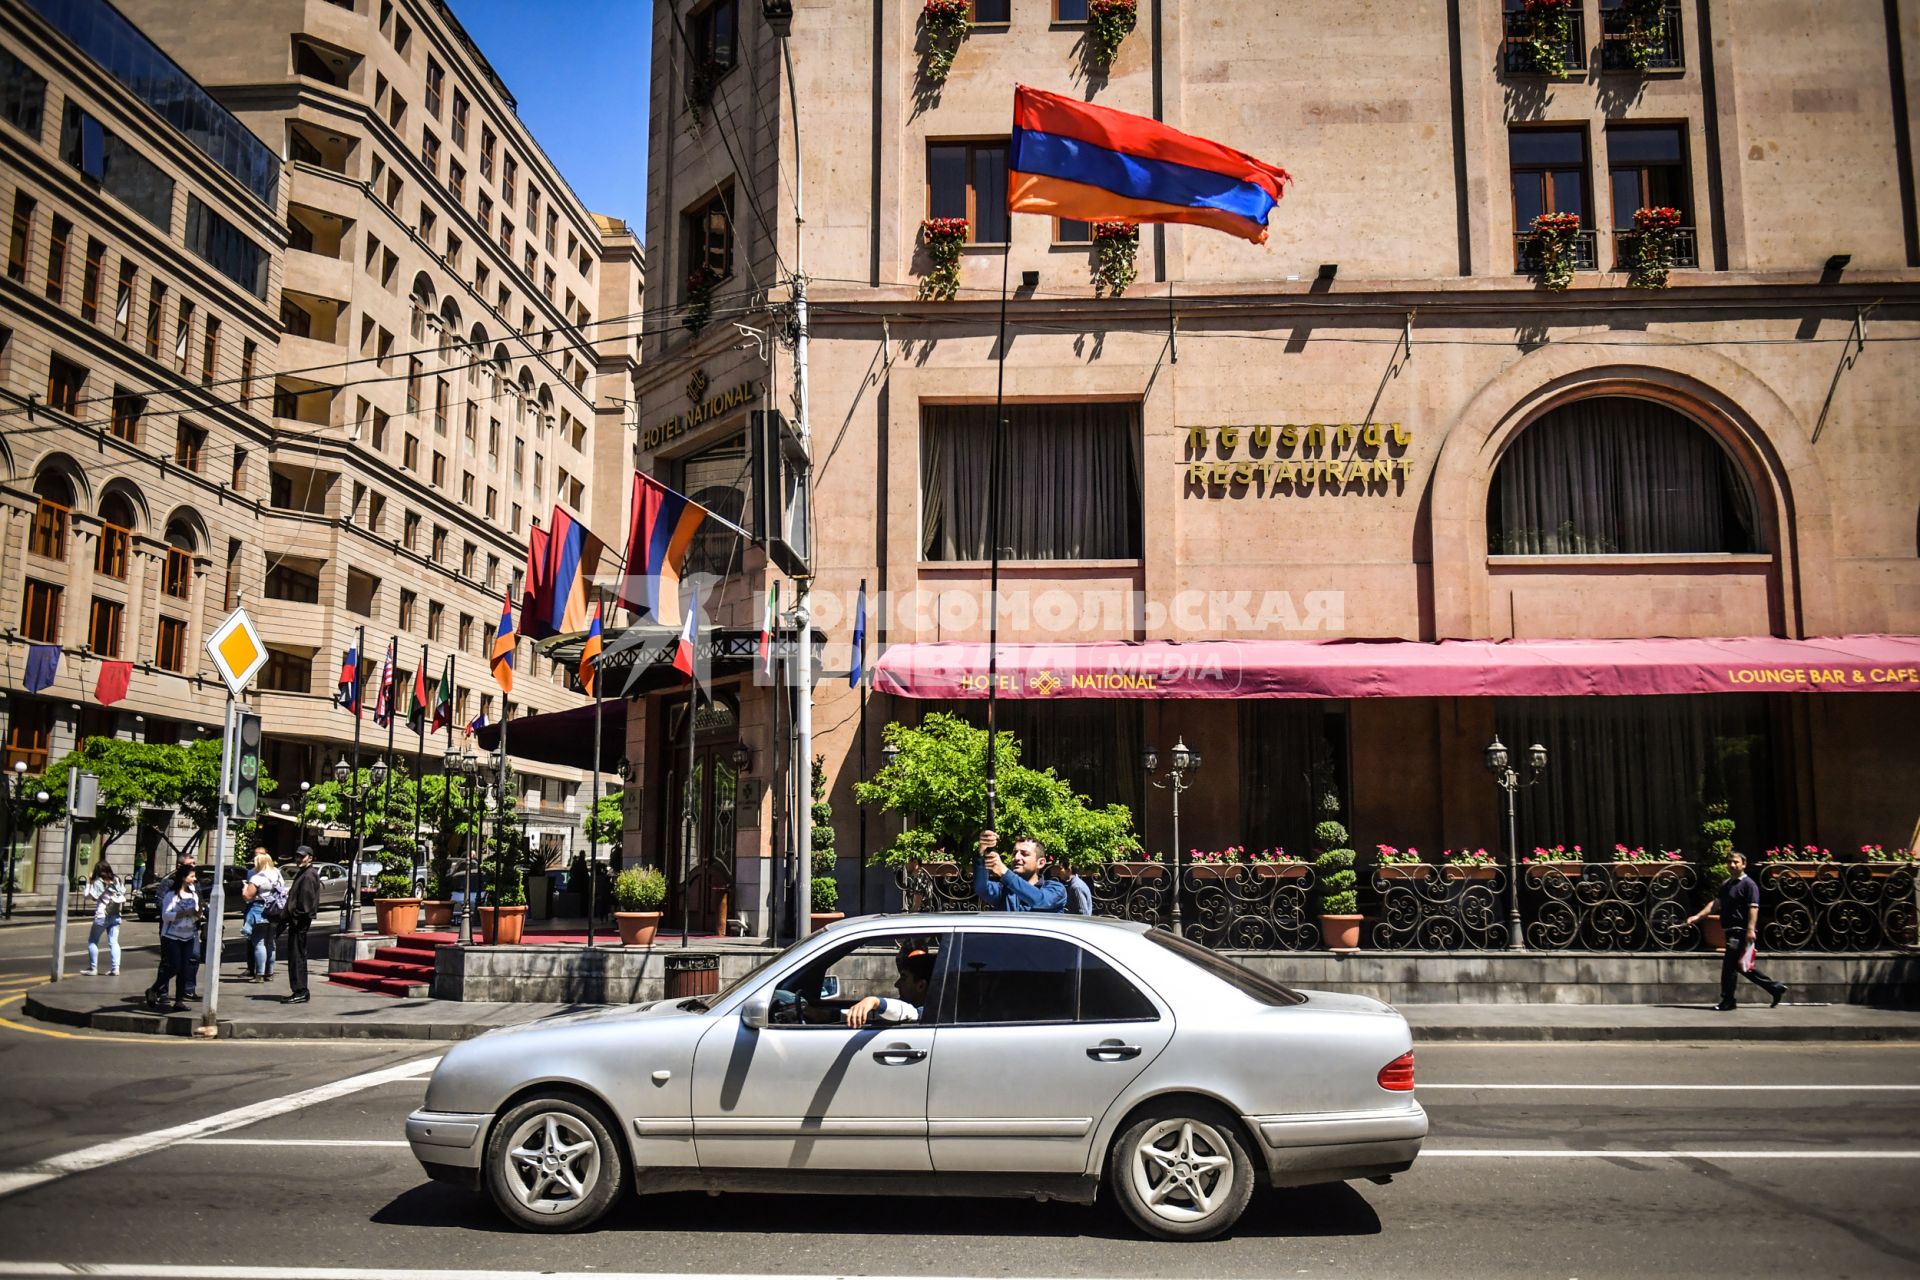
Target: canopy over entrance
{"x":1406,"y":668}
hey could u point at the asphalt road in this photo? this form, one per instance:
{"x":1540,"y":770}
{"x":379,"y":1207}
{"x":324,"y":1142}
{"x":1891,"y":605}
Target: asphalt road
{"x":1582,"y":1181}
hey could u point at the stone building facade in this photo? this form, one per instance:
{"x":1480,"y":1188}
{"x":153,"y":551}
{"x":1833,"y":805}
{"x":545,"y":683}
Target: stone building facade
{"x":415,"y":373}
{"x":1378,"y":425}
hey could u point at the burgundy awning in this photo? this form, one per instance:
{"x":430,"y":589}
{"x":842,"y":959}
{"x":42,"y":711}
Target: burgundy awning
{"x":564,"y":737}
{"x":1406,"y":668}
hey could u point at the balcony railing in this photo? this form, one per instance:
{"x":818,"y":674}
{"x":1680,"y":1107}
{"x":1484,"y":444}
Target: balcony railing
{"x":1517,"y":54}
{"x":1616,"y":46}
{"x":1586,"y":252}
{"x":1686,"y":248}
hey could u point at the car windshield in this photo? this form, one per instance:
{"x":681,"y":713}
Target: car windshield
{"x":1237,"y":976}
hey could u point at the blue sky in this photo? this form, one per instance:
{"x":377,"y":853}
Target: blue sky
{"x":579,"y":71}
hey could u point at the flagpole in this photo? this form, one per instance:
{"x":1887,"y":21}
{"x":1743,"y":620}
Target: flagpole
{"x":420,"y":758}
{"x":350,"y":909}
{"x":860,"y":657}
{"x":386,"y":785}
{"x":993,"y":551}
{"x":776,"y":756}
{"x":593,"y":813}
{"x":446,"y":801}
{"x":686,"y":804}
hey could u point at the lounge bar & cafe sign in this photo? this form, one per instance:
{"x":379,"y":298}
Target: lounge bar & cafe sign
{"x":1296,"y":459}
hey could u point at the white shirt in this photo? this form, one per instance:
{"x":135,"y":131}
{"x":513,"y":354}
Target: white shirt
{"x":107,"y":899}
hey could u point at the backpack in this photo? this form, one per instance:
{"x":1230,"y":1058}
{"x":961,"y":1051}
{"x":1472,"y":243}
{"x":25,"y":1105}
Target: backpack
{"x":275,"y":902}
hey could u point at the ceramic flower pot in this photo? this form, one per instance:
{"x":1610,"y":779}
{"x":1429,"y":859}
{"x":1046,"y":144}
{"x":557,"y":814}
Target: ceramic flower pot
{"x":397,"y":916}
{"x":1341,"y":933}
{"x":502,"y":924}
{"x":637,"y":927}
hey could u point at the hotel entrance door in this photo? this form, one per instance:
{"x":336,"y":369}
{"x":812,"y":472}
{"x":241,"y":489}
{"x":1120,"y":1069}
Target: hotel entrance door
{"x":699,"y":839}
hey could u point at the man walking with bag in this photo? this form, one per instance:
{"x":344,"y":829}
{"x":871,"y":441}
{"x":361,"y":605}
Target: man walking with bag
{"x":303,"y":903}
{"x":1738,"y":903}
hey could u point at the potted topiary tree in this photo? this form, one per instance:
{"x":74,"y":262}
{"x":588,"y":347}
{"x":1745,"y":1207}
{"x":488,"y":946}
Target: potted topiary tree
{"x":638,"y":895}
{"x":825,"y":906}
{"x":1339,"y":900}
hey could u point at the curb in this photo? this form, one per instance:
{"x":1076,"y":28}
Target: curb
{"x":1724,"y":1032}
{"x":132,"y":1022}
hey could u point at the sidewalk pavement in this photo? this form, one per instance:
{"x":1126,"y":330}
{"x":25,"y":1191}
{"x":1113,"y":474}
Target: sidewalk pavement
{"x":256,"y":1012}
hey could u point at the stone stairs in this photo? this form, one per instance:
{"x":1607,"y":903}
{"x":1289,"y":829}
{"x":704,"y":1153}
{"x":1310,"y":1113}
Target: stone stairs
{"x":403,"y":969}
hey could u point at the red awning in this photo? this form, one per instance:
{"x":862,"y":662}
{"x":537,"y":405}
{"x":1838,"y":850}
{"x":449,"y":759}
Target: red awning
{"x":1406,"y":668}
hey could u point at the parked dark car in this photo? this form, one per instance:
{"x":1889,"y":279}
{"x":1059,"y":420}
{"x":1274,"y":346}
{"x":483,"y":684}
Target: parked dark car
{"x":333,"y":890}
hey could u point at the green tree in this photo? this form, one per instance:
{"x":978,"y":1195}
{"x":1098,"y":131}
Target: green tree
{"x":939,"y":781}
{"x":607,"y":820}
{"x":824,"y":862}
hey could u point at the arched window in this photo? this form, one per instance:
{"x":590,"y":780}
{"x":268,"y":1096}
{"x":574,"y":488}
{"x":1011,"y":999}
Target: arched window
{"x":1618,"y":476}
{"x":116,"y":536}
{"x":52,"y":514}
{"x":177,"y":579}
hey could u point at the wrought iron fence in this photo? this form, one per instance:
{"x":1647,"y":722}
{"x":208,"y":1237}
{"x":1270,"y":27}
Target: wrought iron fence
{"x":1564,"y":906}
{"x":1616,"y":49}
{"x":1585,"y":248}
{"x":1685,"y":253}
{"x":1517,"y":56}
{"x":1425,"y":907}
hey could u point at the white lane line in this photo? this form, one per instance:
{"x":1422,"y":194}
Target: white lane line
{"x":295,"y":1142}
{"x":141,"y":1144}
{"x":1548,"y":1153}
{"x":1692,"y":1089}
{"x":156,"y":1271}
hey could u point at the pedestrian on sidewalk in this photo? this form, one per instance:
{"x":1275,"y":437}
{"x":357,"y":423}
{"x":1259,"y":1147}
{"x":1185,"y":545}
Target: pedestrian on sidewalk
{"x":1738,"y":905}
{"x":265,"y":892}
{"x":1079,"y":893}
{"x":179,"y":925}
{"x":303,"y":903}
{"x":108,"y":894}
{"x":1023,"y":886}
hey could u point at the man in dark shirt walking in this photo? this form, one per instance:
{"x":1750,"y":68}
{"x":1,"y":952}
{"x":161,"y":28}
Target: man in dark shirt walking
{"x":1738,"y":904}
{"x":303,"y":903}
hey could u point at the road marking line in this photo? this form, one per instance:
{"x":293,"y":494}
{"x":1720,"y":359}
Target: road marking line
{"x":11,"y":1025}
{"x":141,"y":1144}
{"x":1537,"y":1153}
{"x":1730,"y":1089}
{"x":195,"y":1272}
{"x":295,"y":1142}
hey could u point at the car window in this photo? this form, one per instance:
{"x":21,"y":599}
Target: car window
{"x":1240,"y":978}
{"x":819,"y":992}
{"x":1012,"y":977}
{"x":1106,"y":995}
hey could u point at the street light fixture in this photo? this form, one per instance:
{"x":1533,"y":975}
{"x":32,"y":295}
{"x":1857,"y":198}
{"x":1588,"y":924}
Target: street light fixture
{"x":890,"y":753}
{"x":1182,"y":761}
{"x":343,"y":774}
{"x":779,"y":16}
{"x":1499,"y":764}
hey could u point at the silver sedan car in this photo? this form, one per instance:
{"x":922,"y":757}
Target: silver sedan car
{"x":993,"y":1054}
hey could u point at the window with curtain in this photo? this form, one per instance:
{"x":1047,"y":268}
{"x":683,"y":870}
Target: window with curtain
{"x":1293,"y":756}
{"x":1642,"y":771}
{"x":1069,"y":481}
{"x":1093,"y":743}
{"x":1614,"y":475}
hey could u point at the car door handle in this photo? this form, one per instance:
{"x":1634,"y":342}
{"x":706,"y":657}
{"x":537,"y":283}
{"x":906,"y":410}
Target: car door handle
{"x":1113,"y":1052}
{"x":898,"y":1057}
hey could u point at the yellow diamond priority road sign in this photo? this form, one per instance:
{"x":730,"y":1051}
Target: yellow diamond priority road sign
{"x":236,"y":650}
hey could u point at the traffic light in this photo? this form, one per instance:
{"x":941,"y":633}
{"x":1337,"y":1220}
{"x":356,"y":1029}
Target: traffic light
{"x":246,"y":766}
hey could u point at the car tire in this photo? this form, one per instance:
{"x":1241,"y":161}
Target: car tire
{"x":1181,"y":1172}
{"x":553,"y":1165}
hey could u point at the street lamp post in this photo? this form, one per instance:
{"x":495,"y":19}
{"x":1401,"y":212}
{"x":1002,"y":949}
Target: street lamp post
{"x":465,"y":764}
{"x":1507,"y":778}
{"x":1182,"y":760}
{"x":343,"y":774}
{"x":10,"y":797}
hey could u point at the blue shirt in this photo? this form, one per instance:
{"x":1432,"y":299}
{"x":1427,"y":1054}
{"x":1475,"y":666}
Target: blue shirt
{"x":1011,"y":892}
{"x":1079,"y":897}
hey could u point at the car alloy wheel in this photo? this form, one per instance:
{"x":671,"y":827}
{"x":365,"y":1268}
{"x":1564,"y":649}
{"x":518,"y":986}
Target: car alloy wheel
{"x":552,"y":1165}
{"x":1184,"y":1177}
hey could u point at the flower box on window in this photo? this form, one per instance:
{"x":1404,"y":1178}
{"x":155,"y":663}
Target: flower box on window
{"x":1545,"y":38}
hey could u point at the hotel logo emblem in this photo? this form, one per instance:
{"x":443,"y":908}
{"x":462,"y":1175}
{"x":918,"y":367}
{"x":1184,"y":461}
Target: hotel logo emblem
{"x":697,"y":386}
{"x":1046,"y":684}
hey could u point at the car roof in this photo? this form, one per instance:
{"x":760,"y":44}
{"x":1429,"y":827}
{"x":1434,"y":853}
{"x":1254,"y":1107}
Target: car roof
{"x":1035,"y":921}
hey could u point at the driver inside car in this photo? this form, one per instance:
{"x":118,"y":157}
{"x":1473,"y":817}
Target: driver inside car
{"x":916,"y":971}
{"x":801,"y":998}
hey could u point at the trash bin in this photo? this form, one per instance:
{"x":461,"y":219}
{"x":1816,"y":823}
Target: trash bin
{"x":692,"y":973}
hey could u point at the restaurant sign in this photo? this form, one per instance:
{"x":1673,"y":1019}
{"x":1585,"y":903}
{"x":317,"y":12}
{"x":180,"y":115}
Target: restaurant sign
{"x":1296,"y":459}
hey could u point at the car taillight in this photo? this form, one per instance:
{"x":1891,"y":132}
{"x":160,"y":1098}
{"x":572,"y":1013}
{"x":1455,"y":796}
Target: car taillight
{"x":1398,"y":1074}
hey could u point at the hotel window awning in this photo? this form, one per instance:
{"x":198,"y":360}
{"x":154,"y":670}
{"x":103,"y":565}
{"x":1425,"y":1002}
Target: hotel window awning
{"x":1226,"y":669}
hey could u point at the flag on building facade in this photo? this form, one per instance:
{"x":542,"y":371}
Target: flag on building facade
{"x":661,"y":531}
{"x":383,"y":700}
{"x":1075,"y":160}
{"x":113,"y":682}
{"x":476,"y":724}
{"x":686,"y":654}
{"x":768,"y":619}
{"x":417,"y":707}
{"x":349,"y":695}
{"x":857,"y":667}
{"x":443,"y":698}
{"x":503,"y":641}
{"x":43,"y":664}
{"x":590,"y":654}
{"x":536,"y":601}
{"x":573,"y":560}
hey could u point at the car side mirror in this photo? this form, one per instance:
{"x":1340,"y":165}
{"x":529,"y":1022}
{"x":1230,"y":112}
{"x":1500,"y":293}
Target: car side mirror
{"x":754,"y":1013}
{"x":829,"y":988}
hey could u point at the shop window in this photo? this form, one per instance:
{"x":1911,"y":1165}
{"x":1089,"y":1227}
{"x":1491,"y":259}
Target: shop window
{"x":1643,"y":772}
{"x":64,"y":382}
{"x":58,"y":244}
{"x":1070,"y":482}
{"x":1548,"y":168}
{"x":1293,"y":772}
{"x":170,"y":645}
{"x":104,"y":620}
{"x":1619,"y":476}
{"x":969,"y":180}
{"x":40,"y":604}
{"x":29,"y":732}
{"x":1647,"y":168}
{"x":709,"y":232}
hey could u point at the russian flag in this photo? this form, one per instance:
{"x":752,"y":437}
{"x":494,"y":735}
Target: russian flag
{"x":661,"y":532}
{"x":349,"y":695}
{"x":1075,"y":160}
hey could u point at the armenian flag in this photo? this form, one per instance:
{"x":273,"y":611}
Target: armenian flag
{"x":1076,"y":160}
{"x":503,"y":641}
{"x":590,"y":654}
{"x":662,"y":530}
{"x":573,"y":559}
{"x":536,"y":601}
{"x":417,"y":707}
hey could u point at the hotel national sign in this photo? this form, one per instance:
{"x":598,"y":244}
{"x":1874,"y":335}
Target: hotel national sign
{"x":1297,"y":459}
{"x":705,"y":409}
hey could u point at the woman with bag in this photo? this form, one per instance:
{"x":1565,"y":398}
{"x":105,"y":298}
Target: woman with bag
{"x":108,"y":895}
{"x":179,"y":926}
{"x":266,"y":895}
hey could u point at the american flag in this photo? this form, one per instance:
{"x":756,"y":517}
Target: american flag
{"x":383,"y":704}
